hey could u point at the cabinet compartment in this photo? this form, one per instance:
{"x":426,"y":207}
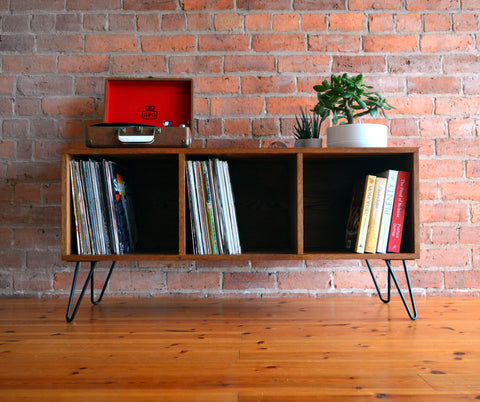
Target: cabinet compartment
{"x":327,"y":191}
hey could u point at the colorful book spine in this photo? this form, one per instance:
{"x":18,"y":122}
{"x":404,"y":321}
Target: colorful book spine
{"x":391,"y":176}
{"x":365,"y":213}
{"x":398,"y":215}
{"x":375,"y":215}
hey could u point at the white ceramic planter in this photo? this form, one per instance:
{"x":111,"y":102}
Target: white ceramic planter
{"x":308,"y":143}
{"x":357,"y":135}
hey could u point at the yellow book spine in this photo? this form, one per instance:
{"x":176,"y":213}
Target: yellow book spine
{"x":365,"y":214}
{"x":375,"y":215}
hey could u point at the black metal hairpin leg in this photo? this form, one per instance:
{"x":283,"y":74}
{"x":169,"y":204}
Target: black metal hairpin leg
{"x":90,"y":278}
{"x":391,"y":275}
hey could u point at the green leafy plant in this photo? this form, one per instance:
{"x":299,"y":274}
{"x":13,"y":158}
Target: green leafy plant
{"x":307,"y":125}
{"x":348,"y":98}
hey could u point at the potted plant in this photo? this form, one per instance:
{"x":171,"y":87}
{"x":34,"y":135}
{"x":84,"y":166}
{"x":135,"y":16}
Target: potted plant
{"x":307,"y":129}
{"x":349,"y":98}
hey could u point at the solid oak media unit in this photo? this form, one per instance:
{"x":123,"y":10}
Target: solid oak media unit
{"x":291,"y":204}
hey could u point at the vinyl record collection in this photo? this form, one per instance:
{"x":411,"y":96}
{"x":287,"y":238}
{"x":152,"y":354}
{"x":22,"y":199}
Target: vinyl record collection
{"x":212,"y":211}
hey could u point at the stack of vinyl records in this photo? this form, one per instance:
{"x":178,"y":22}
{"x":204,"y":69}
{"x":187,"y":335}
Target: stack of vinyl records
{"x":212,"y":210}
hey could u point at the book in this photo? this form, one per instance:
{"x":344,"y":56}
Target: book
{"x":360,"y":207}
{"x":391,"y":176}
{"x":398,"y":214}
{"x":375,"y":215}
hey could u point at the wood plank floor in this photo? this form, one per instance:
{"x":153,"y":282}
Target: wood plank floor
{"x":240,"y":350}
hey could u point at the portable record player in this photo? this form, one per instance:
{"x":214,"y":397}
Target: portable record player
{"x":150,"y":112}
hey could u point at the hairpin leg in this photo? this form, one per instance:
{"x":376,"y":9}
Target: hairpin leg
{"x":71,"y":315}
{"x":391,"y":275}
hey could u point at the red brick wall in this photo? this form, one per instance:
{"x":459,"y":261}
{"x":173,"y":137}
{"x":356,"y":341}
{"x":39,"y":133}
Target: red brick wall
{"x":254,"y":62}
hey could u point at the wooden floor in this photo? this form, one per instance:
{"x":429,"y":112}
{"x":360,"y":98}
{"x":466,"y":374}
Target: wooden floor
{"x":240,"y":350}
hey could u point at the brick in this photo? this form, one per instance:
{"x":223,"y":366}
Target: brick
{"x":264,"y":85}
{"x":249,"y":63}
{"x":94,"y":5}
{"x":334,"y":43}
{"x":444,"y":257}
{"x":314,"y":22}
{"x":6,"y":237}
{"x":461,"y":106}
{"x":227,"y":22}
{"x":138,"y":64}
{"x":120,"y":22}
{"x":248,"y":281}
{"x":42,"y":23}
{"x":52,"y":193}
{"x":462,"y":279}
{"x":357,"y":280}
{"x":278,"y":42}
{"x":471,"y":85}
{"x":15,"y":23}
{"x":193,"y":280}
{"x":95,"y":22}
{"x":444,"y":235}
{"x":303,"y":280}
{"x":429,"y":191}
{"x":217,"y":85}
{"x":414,"y":64}
{"x":7,"y":148}
{"x":189,"y":5}
{"x":27,"y":106}
{"x":30,"y":5}
{"x":403,"y":127}
{"x":469,"y":235}
{"x":6,"y":107}
{"x":315,"y":5}
{"x":444,"y":213}
{"x":437,"y":22}
{"x":381,"y":22}
{"x":68,"y":22}
{"x":257,"y":22}
{"x":265,"y":127}
{"x":28,"y":64}
{"x":288,"y":105}
{"x":434,"y":85}
{"x":435,"y":169}
{"x":461,"y":64}
{"x":473,"y":169}
{"x":199,"y":22}
{"x":90,"y":86}
{"x":100,"y":43}
{"x":285,"y":22}
{"x":386,"y":84}
{"x":236,"y":106}
{"x":300,"y":63}
{"x":147,"y":23}
{"x":223,"y":42}
{"x":431,"y":5}
{"x":21,"y":43}
{"x":443,"y":43}
{"x":346,"y":22}
{"x":12,"y":258}
{"x":470,"y":4}
{"x":475,"y":213}
{"x":409,"y":22}
{"x":461,"y":128}
{"x":237,"y":127}
{"x":173,"y":22}
{"x":26,"y":282}
{"x":209,"y":127}
{"x":27,"y":192}
{"x":375,"y":4}
{"x":59,"y":43}
{"x":83,"y":64}
{"x":170,"y":43}
{"x":145,"y":280}
{"x":460,"y":191}
{"x":390,"y":43}
{"x":68,"y":106}
{"x":45,"y":85}
{"x":150,"y":5}
{"x":465,"y":22}
{"x":6,"y":85}
{"x":412,"y":105}
{"x":264,"y":4}
{"x":356,"y":64}
{"x":432,"y":127}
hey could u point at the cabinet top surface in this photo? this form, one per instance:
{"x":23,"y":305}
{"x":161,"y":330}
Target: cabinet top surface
{"x":244,"y":151}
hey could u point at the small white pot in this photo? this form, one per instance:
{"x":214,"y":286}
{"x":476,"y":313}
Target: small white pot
{"x":357,"y":135}
{"x":308,"y":143}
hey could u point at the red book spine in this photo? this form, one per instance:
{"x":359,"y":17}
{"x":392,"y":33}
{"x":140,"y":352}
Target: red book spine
{"x":398,"y":215}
